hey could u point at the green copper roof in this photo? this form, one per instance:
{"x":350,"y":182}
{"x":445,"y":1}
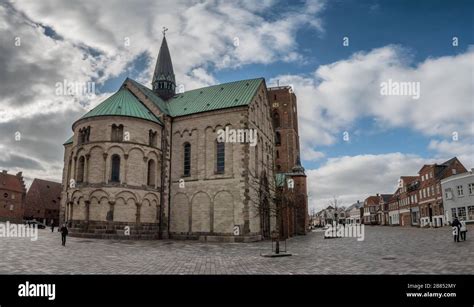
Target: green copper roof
{"x":122,"y":103}
{"x":214,"y":97}
{"x":160,"y":103}
{"x":69,"y":141}
{"x":205,"y":99}
{"x":227,"y":95}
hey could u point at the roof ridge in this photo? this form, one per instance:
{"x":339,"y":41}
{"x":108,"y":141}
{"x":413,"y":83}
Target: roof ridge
{"x":221,"y":84}
{"x":122,"y":103}
{"x":161,"y":104}
{"x":39,"y":179}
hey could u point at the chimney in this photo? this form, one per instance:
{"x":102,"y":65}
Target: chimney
{"x":4,"y":171}
{"x":19,"y":174}
{"x":377,"y":194}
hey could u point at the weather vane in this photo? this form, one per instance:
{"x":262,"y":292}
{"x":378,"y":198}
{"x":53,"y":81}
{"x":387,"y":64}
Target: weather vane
{"x":164,"y":31}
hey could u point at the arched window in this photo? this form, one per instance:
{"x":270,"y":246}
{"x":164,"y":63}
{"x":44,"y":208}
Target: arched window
{"x":151,"y":173}
{"x":277,"y":138}
{"x":220,"y":157}
{"x":115,"y":175}
{"x":276,"y":119}
{"x":84,"y":134}
{"x":117,"y":133}
{"x":152,"y":138}
{"x":187,"y":159}
{"x":80,"y":170}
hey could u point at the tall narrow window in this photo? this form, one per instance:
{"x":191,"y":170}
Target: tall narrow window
{"x":220,"y":157}
{"x":117,"y":133}
{"x":152,"y":138}
{"x":84,"y":134}
{"x":277,"y":154}
{"x":115,"y":176}
{"x":276,"y":119}
{"x":187,"y":159}
{"x":256,"y":160}
{"x":277,"y":138}
{"x":69,"y":172}
{"x":80,"y":170}
{"x":151,"y":173}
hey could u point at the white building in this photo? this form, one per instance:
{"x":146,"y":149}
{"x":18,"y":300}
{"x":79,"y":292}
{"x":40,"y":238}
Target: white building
{"x":458,"y":196}
{"x":353,"y":214}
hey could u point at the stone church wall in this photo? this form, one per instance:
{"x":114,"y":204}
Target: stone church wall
{"x":130,"y":202}
{"x":210,"y":205}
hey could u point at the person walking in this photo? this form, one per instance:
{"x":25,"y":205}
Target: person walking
{"x":463,"y":229}
{"x":64,"y":233}
{"x":52,"y":225}
{"x":456,"y":228}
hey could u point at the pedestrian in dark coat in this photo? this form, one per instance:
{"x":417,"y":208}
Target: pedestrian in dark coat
{"x":456,"y":228}
{"x":64,"y":233}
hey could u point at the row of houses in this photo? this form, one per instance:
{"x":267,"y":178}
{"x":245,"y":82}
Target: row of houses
{"x":342,"y":215}
{"x":429,"y":199}
{"x":40,"y":202}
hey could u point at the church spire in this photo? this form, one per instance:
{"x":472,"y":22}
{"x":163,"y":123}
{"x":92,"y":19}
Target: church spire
{"x":163,"y":82}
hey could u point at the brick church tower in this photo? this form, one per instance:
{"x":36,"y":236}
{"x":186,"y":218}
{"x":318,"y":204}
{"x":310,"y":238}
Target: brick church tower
{"x":287,"y":157}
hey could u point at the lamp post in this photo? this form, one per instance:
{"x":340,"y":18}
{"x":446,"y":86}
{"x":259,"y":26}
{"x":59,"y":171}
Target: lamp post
{"x":398,"y":205}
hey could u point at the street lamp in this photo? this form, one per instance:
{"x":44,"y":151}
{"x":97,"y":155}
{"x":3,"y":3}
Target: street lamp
{"x":398,"y":205}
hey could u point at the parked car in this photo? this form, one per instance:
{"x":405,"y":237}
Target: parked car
{"x":34,"y":222}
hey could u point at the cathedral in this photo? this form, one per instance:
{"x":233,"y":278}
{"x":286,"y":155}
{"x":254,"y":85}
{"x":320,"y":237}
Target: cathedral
{"x":148,"y":164}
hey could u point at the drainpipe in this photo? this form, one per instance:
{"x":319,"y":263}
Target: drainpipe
{"x":169,"y":174}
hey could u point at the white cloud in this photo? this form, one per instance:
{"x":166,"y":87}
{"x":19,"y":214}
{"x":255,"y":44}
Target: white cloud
{"x":338,"y":94}
{"x":311,"y":154}
{"x":352,"y":178}
{"x":201,"y":33}
{"x":447,"y":149}
{"x":90,"y":45}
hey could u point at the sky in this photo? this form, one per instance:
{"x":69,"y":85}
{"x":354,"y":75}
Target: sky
{"x":355,"y":141}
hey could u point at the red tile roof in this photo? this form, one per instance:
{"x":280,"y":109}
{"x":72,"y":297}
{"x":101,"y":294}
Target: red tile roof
{"x":409,"y":179}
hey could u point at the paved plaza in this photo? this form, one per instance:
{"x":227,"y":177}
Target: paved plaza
{"x":385,"y":250}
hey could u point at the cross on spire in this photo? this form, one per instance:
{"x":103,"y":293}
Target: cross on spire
{"x":164,"y":31}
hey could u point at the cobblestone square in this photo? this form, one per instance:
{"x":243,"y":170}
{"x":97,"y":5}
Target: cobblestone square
{"x":385,"y":250}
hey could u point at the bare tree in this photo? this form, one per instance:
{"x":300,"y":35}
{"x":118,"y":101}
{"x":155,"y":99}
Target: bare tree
{"x":334,"y":202}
